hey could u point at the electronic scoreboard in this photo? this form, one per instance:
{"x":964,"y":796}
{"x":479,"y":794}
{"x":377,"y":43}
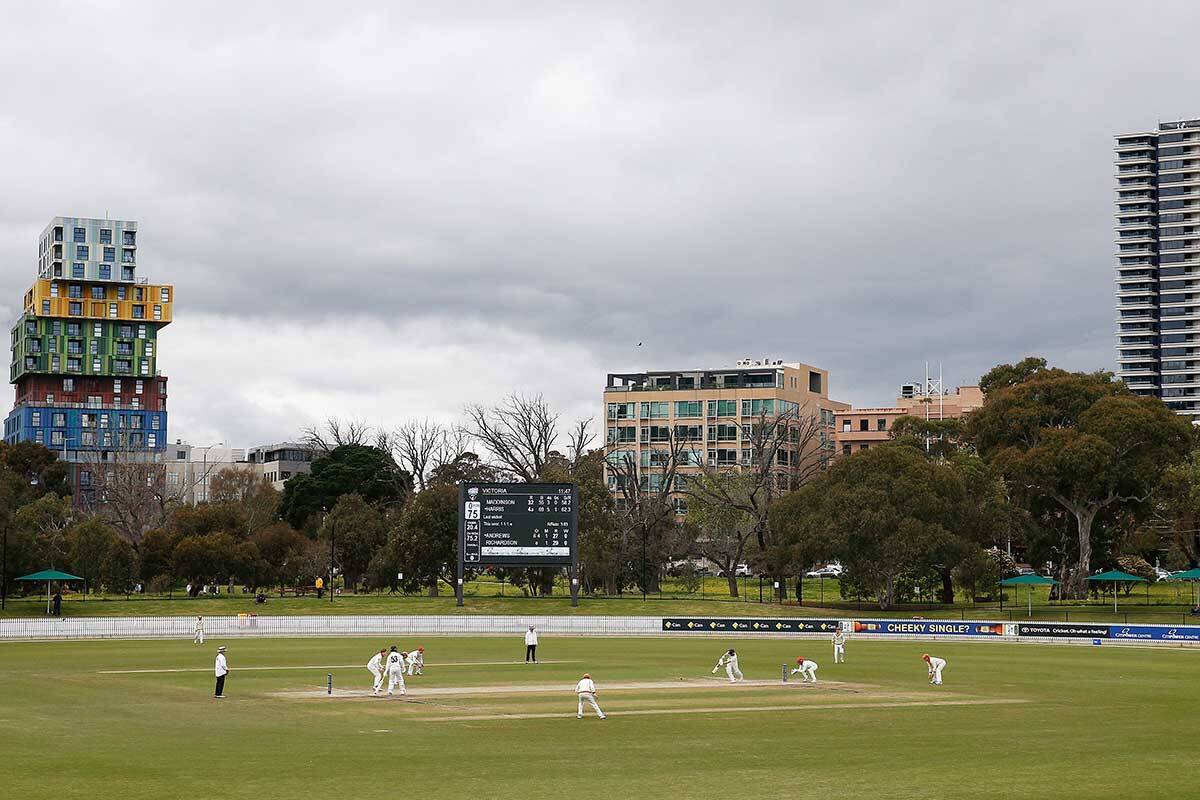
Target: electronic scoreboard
{"x":517,"y":525}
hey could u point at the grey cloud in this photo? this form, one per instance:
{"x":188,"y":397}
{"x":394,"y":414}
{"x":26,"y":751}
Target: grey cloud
{"x":859,"y":187}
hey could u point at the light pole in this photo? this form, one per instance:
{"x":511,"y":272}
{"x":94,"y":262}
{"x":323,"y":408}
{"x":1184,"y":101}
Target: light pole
{"x":204,"y":469}
{"x":332,"y":568}
{"x":643,"y":563}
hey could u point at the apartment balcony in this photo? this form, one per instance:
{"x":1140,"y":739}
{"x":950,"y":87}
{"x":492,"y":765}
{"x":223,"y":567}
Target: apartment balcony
{"x":1137,"y":155}
{"x":1135,"y":225}
{"x":1130,"y":144}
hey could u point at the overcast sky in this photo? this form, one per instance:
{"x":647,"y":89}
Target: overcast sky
{"x":386,"y":211}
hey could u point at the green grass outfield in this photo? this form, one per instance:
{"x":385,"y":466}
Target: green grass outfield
{"x":1169,"y":602}
{"x":1011,"y":721}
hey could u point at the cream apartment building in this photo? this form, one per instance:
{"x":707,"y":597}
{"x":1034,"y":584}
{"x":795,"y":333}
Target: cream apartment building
{"x":712,"y":411}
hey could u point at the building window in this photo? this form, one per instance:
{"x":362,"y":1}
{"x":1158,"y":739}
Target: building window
{"x":45,"y":308}
{"x":845,"y":426}
{"x":106,"y":236}
{"x":687,"y":408}
{"x":56,"y":437}
{"x":110,"y":254}
{"x":139,"y":312}
{"x":112,"y":310}
{"x":126,"y":273}
{"x":80,"y":235}
{"x":105,"y":272}
{"x":128,"y":238}
{"x":76,"y":270}
{"x":54,"y":290}
{"x":864,"y":447}
{"x":81,"y":252}
{"x":97,"y":292}
{"x":75,"y":309}
{"x":35,"y":419}
{"x":845,"y":449}
{"x":659,"y":410}
{"x":814,"y":382}
{"x":881,"y":424}
{"x":127,"y":257}
{"x":157,"y":312}
{"x":68,"y":384}
{"x":864,"y":425}
{"x":58,"y":420}
{"x":166,"y":294}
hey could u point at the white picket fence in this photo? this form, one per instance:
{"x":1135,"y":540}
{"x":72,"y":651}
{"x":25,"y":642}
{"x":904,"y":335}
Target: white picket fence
{"x":248,"y":625}
{"x":348,"y":625}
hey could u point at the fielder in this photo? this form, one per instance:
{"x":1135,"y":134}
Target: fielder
{"x":586,"y":690}
{"x":936,"y":665}
{"x":729,"y":661}
{"x":416,"y":661}
{"x":806,"y":669}
{"x":395,"y":671}
{"x":839,"y":647}
{"x":375,"y":666}
{"x":198,"y":631}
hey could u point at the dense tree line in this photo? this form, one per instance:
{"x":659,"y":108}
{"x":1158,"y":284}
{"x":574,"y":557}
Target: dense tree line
{"x":1070,"y":470}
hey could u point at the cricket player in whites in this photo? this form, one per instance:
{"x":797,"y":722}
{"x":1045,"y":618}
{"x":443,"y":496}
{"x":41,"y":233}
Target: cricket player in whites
{"x":375,"y":665}
{"x":839,"y":647}
{"x":729,"y":661}
{"x":416,"y":661}
{"x":807,"y":670}
{"x":395,"y":671}
{"x":586,"y":690}
{"x":198,"y":631}
{"x":936,"y":665}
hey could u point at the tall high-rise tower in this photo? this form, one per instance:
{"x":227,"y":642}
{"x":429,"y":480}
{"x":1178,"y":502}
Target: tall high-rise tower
{"x":1158,"y":263}
{"x":84,"y":351}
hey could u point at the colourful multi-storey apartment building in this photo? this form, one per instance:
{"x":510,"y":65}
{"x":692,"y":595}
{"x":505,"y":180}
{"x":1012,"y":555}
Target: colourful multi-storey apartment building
{"x":85,"y":349}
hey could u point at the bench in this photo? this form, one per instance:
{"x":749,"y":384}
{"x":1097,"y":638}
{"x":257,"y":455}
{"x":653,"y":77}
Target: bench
{"x":298,"y":591}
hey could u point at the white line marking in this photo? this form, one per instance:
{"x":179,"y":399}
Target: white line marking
{"x":319,"y":666}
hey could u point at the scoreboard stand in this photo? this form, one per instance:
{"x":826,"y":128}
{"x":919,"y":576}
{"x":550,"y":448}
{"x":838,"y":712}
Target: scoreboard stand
{"x":518,"y":525}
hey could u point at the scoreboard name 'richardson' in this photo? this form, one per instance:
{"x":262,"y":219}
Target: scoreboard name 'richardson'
{"x":518,"y":524}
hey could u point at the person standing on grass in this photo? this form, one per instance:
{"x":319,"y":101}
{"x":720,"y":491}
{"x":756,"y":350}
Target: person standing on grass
{"x":375,"y":666}
{"x":57,"y":604}
{"x":222,"y":669}
{"x":936,"y":665}
{"x":531,"y":645}
{"x":586,"y":690}
{"x":729,"y":661}
{"x":320,"y":586}
{"x":198,"y":631}
{"x":806,"y":669}
{"x":839,"y":647}
{"x":395,"y":671}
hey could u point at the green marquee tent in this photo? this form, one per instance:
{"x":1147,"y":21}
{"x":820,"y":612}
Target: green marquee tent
{"x":1115,"y":576}
{"x":1192,"y":575}
{"x":1030,"y":581}
{"x":49,"y":576}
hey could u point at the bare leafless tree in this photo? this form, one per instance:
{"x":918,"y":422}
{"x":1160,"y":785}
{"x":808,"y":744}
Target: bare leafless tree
{"x":518,"y":433}
{"x":780,"y":453}
{"x":131,"y":489}
{"x":645,"y":500}
{"x":579,"y":441}
{"x":422,"y":446}
{"x":333,"y":433}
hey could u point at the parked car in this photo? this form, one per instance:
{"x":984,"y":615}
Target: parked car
{"x":743,"y":571}
{"x":832,"y":570}
{"x":1025,"y":569}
